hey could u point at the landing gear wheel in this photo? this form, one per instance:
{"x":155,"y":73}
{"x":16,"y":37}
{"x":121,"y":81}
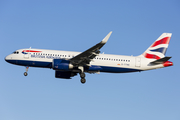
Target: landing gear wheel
{"x":25,"y":74}
{"x":82,"y":75}
{"x":83,"y":80}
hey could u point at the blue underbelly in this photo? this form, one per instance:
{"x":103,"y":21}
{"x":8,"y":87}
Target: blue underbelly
{"x":91,"y":69}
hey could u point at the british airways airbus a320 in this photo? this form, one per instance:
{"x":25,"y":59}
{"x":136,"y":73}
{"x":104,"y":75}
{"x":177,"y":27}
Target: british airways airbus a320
{"x":68,"y":64}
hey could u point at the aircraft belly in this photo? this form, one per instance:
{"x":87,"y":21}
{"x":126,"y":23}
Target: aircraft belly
{"x":118,"y":69}
{"x":31,"y":63}
{"x":115,"y":67}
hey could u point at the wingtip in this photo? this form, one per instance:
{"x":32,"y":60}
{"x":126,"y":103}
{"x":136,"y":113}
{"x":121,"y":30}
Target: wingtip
{"x":106,"y":38}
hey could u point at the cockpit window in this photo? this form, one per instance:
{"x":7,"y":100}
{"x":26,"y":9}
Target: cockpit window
{"x":16,"y":52}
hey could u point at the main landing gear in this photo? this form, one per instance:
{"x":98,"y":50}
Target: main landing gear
{"x":82,"y":74}
{"x":25,"y":73}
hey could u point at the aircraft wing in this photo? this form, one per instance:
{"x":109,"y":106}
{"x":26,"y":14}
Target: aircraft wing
{"x":85,"y":57}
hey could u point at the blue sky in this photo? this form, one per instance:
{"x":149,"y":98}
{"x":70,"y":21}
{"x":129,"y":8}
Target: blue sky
{"x":76,"y":26}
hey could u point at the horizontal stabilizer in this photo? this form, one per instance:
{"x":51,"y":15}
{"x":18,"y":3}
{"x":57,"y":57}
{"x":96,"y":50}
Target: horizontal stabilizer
{"x":160,"y":61}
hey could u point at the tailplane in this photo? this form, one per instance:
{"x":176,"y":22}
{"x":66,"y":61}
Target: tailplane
{"x":158,"y":49}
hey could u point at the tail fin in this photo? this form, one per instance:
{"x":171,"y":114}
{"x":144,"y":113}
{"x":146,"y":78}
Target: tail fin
{"x":158,"y":49}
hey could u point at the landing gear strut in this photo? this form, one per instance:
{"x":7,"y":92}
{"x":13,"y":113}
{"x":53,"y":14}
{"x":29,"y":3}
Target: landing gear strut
{"x":25,"y":73}
{"x":82,"y":74}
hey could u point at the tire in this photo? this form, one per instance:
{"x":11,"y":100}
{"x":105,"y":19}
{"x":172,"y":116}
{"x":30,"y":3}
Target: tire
{"x":25,"y":74}
{"x":83,"y":80}
{"x":82,"y":75}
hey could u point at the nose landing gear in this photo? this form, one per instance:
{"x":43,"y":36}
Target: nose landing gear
{"x":25,"y":73}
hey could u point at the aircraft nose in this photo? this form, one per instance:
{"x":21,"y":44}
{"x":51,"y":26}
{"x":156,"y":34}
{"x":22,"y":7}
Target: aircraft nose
{"x":7,"y":58}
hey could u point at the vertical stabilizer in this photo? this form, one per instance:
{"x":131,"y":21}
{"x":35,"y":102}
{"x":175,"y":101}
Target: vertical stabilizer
{"x":158,"y":49}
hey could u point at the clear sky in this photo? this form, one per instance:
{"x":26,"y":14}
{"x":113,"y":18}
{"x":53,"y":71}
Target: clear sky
{"x":76,"y":25}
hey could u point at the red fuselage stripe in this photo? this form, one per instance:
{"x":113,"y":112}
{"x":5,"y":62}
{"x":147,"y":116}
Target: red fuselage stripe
{"x":30,"y":51}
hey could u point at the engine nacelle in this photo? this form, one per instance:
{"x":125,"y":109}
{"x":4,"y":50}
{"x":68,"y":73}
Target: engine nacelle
{"x":64,"y":74}
{"x":60,"y":64}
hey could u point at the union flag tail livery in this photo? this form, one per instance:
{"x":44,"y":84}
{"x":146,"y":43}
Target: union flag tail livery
{"x":68,"y":64}
{"x":158,"y":49}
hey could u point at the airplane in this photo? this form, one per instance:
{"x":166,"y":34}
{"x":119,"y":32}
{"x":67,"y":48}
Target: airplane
{"x":68,"y":64}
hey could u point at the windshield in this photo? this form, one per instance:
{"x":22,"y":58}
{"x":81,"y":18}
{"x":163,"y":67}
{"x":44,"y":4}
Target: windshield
{"x":16,"y":52}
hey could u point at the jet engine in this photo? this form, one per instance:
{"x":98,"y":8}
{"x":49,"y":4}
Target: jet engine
{"x":64,"y":74}
{"x":60,"y":64}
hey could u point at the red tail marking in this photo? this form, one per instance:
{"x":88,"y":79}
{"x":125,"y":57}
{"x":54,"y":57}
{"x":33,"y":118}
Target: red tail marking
{"x":162,"y":41}
{"x":168,"y":63}
{"x":151,"y":56}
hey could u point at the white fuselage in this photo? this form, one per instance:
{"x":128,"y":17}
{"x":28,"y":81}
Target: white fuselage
{"x":108,"y":62}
